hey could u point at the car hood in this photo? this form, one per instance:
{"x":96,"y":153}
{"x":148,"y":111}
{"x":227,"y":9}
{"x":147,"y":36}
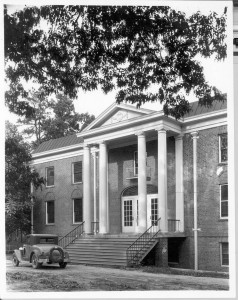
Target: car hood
{"x":45,"y":247}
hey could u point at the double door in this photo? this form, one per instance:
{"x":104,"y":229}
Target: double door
{"x":130,"y":212}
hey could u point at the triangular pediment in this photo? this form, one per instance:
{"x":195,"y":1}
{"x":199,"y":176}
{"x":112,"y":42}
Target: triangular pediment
{"x":117,"y":113}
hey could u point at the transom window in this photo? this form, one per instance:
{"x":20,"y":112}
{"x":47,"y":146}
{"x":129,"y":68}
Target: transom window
{"x":223,"y":148}
{"x":224,"y":200}
{"x":50,"y":176}
{"x":77,"y":172}
{"x":225,"y":254}
{"x":77,"y":210}
{"x":50,"y":212}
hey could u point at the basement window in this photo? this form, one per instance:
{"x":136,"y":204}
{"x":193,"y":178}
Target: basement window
{"x":224,"y":254}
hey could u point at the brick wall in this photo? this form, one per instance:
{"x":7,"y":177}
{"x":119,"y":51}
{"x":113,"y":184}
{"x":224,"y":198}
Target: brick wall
{"x":210,"y":175}
{"x":62,"y":193}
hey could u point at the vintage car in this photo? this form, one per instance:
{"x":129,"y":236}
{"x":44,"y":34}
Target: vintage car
{"x":39,"y":249}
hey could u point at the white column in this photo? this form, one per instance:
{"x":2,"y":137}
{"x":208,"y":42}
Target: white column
{"x":87,"y":209}
{"x":142,"y":192}
{"x":179,"y":181}
{"x":162,"y":178}
{"x":195,"y":229}
{"x":103,"y":202}
{"x":94,"y":153}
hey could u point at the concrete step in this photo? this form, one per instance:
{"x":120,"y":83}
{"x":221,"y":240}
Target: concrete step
{"x":101,"y":250}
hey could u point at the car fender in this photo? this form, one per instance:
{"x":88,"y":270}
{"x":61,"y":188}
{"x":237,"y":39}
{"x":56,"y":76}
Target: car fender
{"x":18,"y":254}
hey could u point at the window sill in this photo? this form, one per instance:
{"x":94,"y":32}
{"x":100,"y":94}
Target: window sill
{"x":50,"y":186}
{"x":74,"y":183}
{"x":51,"y":224}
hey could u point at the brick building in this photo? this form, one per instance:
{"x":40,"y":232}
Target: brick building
{"x":134,"y":169}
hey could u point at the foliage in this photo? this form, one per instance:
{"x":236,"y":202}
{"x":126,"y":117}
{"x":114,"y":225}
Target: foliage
{"x":52,"y":118}
{"x":147,"y":53}
{"x":18,"y":177}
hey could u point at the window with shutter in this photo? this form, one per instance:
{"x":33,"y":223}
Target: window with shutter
{"x":224,"y":201}
{"x":78,"y":210}
{"x":50,"y":212}
{"x":223,"y":148}
{"x":50,"y":176}
{"x":77,"y":172}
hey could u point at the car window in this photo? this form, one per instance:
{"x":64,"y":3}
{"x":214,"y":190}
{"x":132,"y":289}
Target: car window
{"x":47,"y":240}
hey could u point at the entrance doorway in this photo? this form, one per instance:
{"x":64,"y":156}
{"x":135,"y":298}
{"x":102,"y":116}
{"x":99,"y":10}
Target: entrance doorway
{"x":130,"y":216}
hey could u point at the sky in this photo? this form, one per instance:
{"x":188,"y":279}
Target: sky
{"x":96,"y":102}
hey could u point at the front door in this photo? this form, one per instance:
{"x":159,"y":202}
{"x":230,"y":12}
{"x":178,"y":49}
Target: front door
{"x":152,"y":211}
{"x":129,"y":214}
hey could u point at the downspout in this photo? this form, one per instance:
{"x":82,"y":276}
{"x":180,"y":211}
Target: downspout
{"x":195,"y":229}
{"x":32,"y":211}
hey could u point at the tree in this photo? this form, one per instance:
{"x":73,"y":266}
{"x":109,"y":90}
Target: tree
{"x":128,"y":48}
{"x":65,"y":121}
{"x":18,"y":177}
{"x":52,"y":118}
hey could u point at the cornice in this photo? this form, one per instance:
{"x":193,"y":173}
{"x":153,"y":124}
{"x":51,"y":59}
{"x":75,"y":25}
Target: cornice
{"x":57,"y":150}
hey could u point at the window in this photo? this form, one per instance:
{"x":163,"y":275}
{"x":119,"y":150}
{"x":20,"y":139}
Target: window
{"x":50,"y":176}
{"x":50,"y":212}
{"x":224,"y":254}
{"x":224,"y":200}
{"x":135,"y":163}
{"x":223,"y":147}
{"x":77,"y":172}
{"x":77,"y":210}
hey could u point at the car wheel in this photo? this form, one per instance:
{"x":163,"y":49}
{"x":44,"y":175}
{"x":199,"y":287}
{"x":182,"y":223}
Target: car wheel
{"x":63,"y":264}
{"x":34,"y":262}
{"x":15,"y":260}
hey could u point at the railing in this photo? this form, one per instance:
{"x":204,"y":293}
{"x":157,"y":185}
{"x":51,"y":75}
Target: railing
{"x":94,"y":227}
{"x":132,"y":173}
{"x":71,"y":236}
{"x":173,"y":225}
{"x":137,"y":249}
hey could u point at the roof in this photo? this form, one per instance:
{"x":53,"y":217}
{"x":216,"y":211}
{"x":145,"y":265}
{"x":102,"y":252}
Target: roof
{"x":65,"y":141}
{"x":197,"y":109}
{"x":71,"y":140}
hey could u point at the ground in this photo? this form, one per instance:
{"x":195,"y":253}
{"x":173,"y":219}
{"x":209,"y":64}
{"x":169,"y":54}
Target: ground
{"x":89,"y":278}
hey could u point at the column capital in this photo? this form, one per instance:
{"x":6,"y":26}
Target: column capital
{"x":194,"y":135}
{"x":161,"y":128}
{"x":102,"y":142}
{"x":140,"y":133}
{"x":86,"y":145}
{"x":179,"y":137}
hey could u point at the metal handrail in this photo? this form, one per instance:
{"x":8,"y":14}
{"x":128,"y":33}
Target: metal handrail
{"x":70,"y":237}
{"x":141,"y":242}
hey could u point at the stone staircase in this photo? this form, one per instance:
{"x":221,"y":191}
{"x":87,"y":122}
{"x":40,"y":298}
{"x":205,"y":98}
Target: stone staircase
{"x":107,"y":250}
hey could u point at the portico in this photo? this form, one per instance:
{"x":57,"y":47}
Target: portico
{"x":115,"y":135}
